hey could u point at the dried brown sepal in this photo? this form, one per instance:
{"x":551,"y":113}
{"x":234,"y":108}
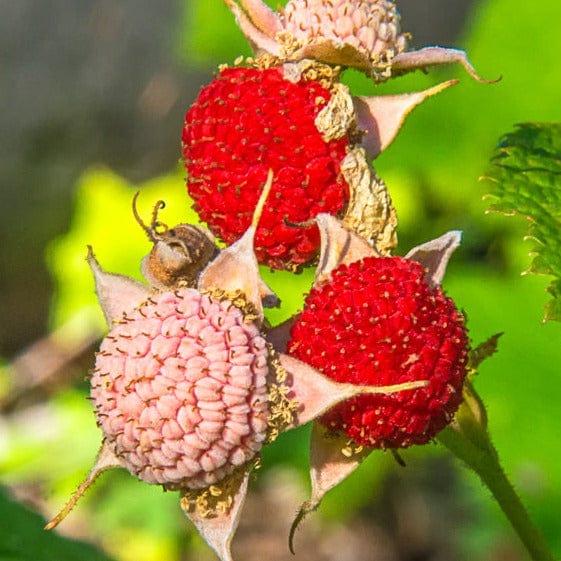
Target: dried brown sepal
{"x":338,"y":118}
{"x":179,"y":254}
{"x":370,"y":212}
{"x":215,"y":511}
{"x":178,"y":257}
{"x":105,"y":460}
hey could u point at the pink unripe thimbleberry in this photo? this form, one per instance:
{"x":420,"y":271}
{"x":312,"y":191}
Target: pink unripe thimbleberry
{"x":377,"y":321}
{"x":363,"y":34}
{"x":370,"y":27}
{"x":179,"y":389}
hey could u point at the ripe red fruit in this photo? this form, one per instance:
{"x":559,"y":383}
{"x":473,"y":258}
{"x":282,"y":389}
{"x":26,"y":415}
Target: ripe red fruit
{"x":244,"y":123}
{"x":377,"y":321}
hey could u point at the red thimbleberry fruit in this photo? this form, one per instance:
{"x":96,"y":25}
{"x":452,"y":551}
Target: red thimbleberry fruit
{"x":377,"y":321}
{"x":244,"y":123}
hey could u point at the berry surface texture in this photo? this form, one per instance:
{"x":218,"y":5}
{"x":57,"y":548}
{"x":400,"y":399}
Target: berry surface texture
{"x":244,"y":123}
{"x":377,"y":321}
{"x":179,"y":389}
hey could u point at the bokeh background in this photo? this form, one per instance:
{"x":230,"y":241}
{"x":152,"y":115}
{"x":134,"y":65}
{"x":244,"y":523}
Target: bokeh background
{"x":93,"y":94}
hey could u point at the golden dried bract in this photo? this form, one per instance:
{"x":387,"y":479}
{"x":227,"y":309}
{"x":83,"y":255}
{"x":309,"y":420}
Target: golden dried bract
{"x":370,"y":212}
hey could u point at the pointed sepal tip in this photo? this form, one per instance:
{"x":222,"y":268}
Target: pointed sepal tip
{"x":105,"y":460}
{"x":236,"y":268}
{"x":218,"y":522}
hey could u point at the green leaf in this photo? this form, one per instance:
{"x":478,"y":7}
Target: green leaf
{"x":526,"y":179}
{"x":22,"y":538}
{"x":483,"y":350}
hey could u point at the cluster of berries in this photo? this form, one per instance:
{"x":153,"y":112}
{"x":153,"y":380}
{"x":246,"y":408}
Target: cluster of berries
{"x":191,"y":381}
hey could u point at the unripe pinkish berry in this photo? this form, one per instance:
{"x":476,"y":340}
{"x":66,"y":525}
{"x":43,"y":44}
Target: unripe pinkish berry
{"x":180,"y":389}
{"x":370,"y":28}
{"x":363,"y":34}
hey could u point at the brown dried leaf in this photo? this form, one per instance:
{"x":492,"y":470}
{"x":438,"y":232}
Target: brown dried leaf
{"x":338,"y":117}
{"x":370,"y":212}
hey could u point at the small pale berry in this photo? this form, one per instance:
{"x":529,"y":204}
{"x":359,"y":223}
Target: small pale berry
{"x":363,"y":34}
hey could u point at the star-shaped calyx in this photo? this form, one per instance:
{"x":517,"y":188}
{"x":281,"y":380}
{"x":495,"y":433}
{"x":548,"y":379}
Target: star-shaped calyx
{"x":373,"y":319}
{"x":363,"y":34}
{"x":187,"y":388}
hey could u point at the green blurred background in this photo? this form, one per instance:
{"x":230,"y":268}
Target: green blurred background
{"x":96,"y":92}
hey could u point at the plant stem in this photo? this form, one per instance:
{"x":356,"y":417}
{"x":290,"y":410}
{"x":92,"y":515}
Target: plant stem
{"x":510,"y":503}
{"x":480,"y":455}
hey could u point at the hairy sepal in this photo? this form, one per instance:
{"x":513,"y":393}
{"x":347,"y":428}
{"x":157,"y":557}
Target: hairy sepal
{"x":116,"y":293}
{"x":218,"y":525}
{"x":105,"y":460}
